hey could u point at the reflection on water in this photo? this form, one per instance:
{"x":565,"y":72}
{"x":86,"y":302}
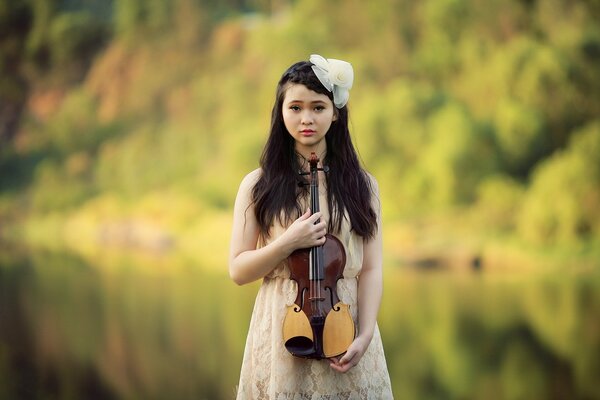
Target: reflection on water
{"x":494,"y":337}
{"x":135,"y":328}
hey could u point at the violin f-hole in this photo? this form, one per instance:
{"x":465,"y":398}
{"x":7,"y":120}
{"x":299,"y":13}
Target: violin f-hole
{"x":334,"y":306}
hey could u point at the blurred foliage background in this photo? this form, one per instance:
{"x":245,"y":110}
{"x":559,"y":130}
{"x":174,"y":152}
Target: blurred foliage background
{"x":128,"y":125}
{"x":470,"y":113}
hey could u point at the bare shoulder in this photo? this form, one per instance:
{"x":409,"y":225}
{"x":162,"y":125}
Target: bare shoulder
{"x":250,"y":180}
{"x":372,"y":181}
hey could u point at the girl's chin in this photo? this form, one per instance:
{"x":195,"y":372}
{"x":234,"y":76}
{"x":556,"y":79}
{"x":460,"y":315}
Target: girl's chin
{"x":309,"y":140}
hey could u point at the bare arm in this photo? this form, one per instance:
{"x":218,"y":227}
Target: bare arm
{"x":246,"y":262}
{"x":370,"y":287}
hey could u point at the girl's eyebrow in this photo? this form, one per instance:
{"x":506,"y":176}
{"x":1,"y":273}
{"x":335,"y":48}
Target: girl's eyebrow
{"x":312,"y":102}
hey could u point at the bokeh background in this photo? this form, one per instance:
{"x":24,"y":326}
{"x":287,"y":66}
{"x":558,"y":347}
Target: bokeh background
{"x":127,"y":125}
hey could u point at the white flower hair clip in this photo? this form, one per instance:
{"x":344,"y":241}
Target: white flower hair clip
{"x":336,"y":75}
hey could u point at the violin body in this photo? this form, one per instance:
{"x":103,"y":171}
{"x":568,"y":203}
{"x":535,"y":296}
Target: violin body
{"x":318,"y":325}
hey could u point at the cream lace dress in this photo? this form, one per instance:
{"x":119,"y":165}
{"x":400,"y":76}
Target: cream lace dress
{"x":270,"y":372}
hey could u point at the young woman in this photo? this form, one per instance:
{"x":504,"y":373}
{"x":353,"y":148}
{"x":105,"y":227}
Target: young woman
{"x":272,"y":218}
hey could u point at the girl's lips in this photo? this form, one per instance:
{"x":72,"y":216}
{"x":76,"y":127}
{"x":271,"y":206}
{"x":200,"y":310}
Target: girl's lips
{"x":308,"y":132}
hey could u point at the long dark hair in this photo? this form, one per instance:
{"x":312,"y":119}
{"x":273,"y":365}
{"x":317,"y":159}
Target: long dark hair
{"x":277,"y":192}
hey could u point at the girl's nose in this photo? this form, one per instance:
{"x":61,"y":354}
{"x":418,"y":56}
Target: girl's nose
{"x":307,"y":117}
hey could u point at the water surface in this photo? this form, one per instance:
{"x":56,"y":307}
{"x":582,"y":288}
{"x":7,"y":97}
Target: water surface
{"x":143,"y":327}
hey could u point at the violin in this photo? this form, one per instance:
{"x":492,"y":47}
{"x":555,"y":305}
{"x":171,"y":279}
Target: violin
{"x":318,"y":325}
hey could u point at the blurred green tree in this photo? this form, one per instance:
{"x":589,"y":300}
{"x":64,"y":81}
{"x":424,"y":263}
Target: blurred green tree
{"x":562,"y":204}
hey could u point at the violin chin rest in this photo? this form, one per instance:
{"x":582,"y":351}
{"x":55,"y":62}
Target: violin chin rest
{"x":300,"y":346}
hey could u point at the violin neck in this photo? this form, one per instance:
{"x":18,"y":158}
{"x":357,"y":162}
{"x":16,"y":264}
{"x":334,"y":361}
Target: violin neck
{"x":314,"y":184}
{"x":316,"y":253}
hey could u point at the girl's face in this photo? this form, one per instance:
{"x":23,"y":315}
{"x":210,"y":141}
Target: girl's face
{"x":307,"y":116}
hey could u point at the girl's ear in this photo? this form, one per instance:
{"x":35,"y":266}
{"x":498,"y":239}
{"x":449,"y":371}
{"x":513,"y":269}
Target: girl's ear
{"x":335,"y":114}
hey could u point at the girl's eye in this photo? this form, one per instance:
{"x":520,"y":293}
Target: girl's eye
{"x":319,"y":108}
{"x":294,"y":108}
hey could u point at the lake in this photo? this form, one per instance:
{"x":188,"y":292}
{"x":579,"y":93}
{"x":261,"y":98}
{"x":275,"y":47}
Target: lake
{"x":135,"y":326}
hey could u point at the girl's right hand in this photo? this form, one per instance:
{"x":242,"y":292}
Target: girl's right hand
{"x":305,"y":232}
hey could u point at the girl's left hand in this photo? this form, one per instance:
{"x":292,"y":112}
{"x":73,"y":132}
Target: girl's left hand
{"x":351,"y":357}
